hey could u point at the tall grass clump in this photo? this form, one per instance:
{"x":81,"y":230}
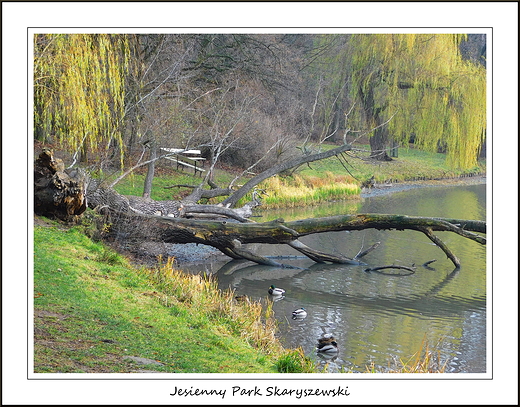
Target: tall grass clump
{"x":425,"y":360}
{"x":301,"y":190}
{"x":252,"y":320}
{"x":295,"y":361}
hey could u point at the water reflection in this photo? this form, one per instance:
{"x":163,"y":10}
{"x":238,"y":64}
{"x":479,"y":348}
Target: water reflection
{"x":381,"y":317}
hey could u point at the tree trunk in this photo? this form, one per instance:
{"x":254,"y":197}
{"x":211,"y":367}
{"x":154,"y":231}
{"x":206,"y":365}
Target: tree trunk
{"x":147,"y":191}
{"x":379,"y":140}
{"x":378,"y":143}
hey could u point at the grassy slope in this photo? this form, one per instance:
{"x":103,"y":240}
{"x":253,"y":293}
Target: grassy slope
{"x":92,"y":308}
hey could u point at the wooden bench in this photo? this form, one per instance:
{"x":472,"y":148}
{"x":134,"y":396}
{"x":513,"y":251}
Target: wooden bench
{"x":185,"y":158}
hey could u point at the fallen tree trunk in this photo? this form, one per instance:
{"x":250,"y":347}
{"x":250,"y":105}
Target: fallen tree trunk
{"x":230,"y":236}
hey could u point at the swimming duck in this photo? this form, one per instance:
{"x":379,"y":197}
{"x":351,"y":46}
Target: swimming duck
{"x":275,"y":291}
{"x":241,"y":298}
{"x":327,"y":347}
{"x":299,"y":313}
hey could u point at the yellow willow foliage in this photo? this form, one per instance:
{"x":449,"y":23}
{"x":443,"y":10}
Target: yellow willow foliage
{"x":79,"y":88}
{"x":422,"y":80}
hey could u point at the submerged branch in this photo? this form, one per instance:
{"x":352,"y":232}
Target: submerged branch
{"x":321,"y":257}
{"x":378,"y":269}
{"x":428,"y":232}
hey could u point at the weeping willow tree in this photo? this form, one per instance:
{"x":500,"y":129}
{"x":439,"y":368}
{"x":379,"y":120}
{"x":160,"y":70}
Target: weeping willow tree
{"x":418,"y":84}
{"x":79,"y":90}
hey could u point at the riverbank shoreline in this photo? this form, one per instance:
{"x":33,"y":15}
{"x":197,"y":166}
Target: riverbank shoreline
{"x":385,"y":189}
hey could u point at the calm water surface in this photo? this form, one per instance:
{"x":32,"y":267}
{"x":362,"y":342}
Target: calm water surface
{"x":379,"y":318}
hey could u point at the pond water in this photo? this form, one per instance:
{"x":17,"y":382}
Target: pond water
{"x":379,"y":317}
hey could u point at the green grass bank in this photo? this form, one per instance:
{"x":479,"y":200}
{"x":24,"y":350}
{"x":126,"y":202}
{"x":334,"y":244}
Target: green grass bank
{"x":93,"y":309}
